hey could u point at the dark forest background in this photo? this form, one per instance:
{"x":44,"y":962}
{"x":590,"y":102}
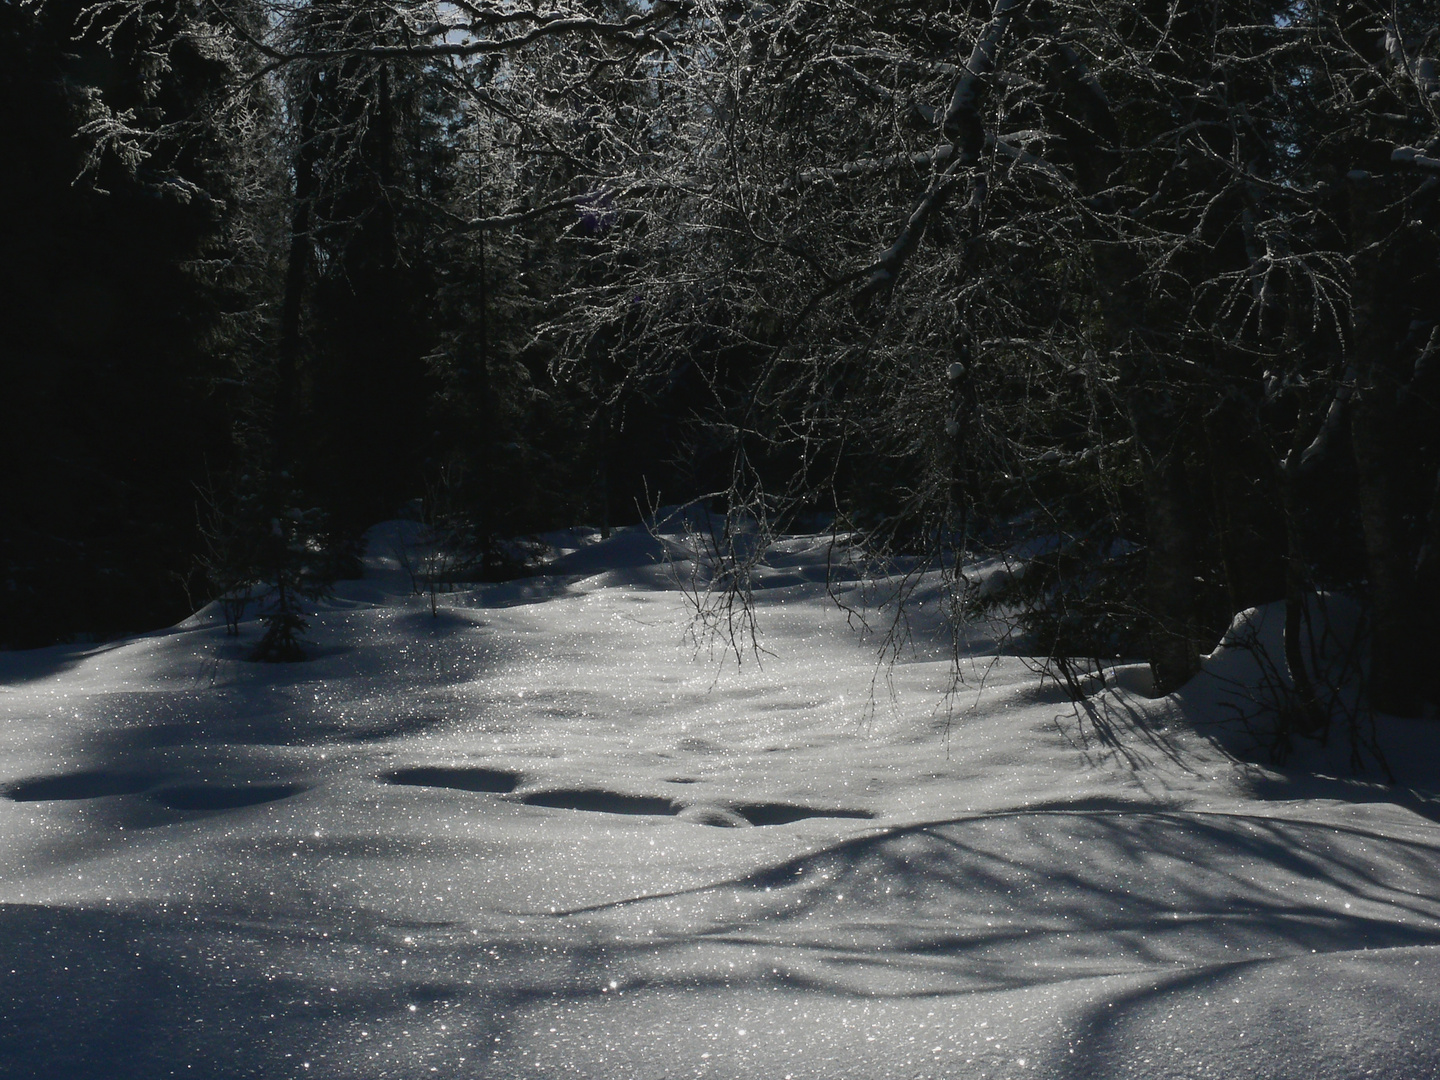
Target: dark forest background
{"x":1149,"y":291}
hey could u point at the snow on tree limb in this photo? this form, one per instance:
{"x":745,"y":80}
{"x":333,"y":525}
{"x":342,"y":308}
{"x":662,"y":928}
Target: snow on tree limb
{"x":964,"y":128}
{"x":1416,"y":159}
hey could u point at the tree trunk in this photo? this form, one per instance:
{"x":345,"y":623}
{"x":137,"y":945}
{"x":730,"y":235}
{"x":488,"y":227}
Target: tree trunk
{"x":1170,"y":529}
{"x":1312,"y":718}
{"x":1250,"y":530}
{"x":1148,"y":392}
{"x":1396,"y":663}
{"x":1170,"y":567}
{"x":287,"y":367}
{"x":478,"y":341}
{"x":1396,"y":632}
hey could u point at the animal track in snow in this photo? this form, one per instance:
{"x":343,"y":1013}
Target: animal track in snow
{"x":602,"y":802}
{"x":721,"y":817}
{"x":91,"y":784}
{"x":784,"y":813}
{"x":220,"y":796}
{"x":592,"y":800}
{"x":104,"y":783}
{"x":464,"y":778}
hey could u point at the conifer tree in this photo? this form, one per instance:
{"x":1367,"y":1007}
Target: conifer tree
{"x":109,"y":250}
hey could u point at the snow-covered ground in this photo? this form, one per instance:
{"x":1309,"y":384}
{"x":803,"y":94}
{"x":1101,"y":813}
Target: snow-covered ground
{"x":542,"y":836}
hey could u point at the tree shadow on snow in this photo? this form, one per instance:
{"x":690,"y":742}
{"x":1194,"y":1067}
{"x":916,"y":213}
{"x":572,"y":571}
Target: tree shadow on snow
{"x":1362,"y":1013}
{"x":1007,"y":900}
{"x":161,"y":990}
{"x":19,"y":666}
{"x":994,"y":901}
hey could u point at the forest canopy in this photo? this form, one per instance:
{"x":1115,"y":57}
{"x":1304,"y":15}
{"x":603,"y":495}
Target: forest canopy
{"x":1149,"y":291}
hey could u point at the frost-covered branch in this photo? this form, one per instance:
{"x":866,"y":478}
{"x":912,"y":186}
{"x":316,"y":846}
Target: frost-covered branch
{"x":963,"y":126}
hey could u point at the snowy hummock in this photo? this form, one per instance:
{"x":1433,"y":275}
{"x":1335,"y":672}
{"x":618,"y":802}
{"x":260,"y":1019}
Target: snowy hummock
{"x":544,"y":835}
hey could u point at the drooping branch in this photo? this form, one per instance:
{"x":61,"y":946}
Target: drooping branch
{"x":963,"y":126}
{"x":570,"y":202}
{"x":1329,"y":428}
{"x":962,"y":123}
{"x":487,"y":32}
{"x":630,"y":32}
{"x":863,"y":167}
{"x":1415,"y":159}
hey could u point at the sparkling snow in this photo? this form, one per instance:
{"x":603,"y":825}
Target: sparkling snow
{"x":544,"y":835}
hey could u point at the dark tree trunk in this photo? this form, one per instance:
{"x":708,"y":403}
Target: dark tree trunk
{"x":1396,"y":663}
{"x":297,"y":269}
{"x":1312,"y":718}
{"x":1396,"y":633}
{"x":1149,"y":393}
{"x":1170,"y":529}
{"x":1171,"y":608}
{"x":1427,"y":576}
{"x":484,"y":391}
{"x":1250,"y":529}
